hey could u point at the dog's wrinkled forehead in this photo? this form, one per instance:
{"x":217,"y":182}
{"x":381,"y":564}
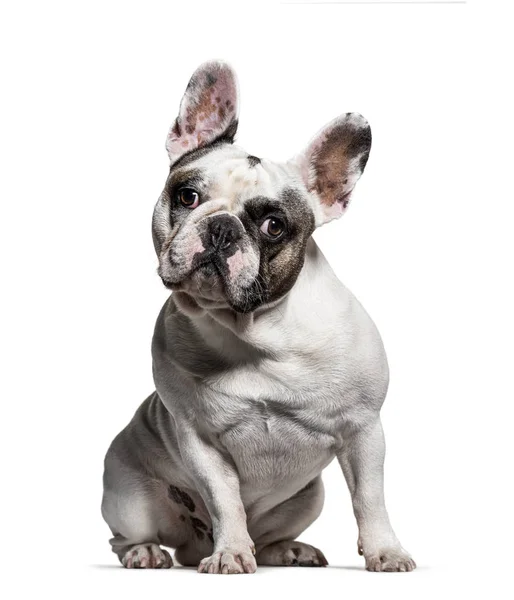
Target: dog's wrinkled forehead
{"x":230,"y":175}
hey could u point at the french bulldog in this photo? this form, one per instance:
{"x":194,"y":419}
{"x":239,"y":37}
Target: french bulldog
{"x":266,"y":367}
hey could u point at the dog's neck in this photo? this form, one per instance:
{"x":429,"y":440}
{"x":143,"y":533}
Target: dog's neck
{"x":233,"y":333}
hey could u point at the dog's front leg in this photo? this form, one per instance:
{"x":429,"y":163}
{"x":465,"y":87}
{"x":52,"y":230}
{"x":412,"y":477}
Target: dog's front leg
{"x":362,"y":461}
{"x":218,"y":484}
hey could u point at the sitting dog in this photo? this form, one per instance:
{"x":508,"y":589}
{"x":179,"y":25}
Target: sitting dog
{"x":265,"y":365}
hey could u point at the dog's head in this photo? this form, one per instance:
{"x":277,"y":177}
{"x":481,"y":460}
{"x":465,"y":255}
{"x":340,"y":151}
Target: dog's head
{"x":231,"y":229}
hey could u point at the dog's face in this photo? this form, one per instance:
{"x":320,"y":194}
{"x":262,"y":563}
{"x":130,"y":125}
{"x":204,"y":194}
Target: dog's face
{"x":231,"y":229}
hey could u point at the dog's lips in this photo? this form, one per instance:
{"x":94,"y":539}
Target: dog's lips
{"x":207,"y":265}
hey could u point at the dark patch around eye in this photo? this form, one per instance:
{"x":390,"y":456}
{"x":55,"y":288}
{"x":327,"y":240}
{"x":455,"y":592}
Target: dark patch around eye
{"x":279,"y":266}
{"x":301,"y":217}
{"x":281,"y":259}
{"x":183,"y":178}
{"x":273,"y":252}
{"x":261,"y":206}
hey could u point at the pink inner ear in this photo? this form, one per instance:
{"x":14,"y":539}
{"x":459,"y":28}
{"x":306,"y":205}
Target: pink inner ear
{"x":334,"y":161}
{"x":207,"y":109}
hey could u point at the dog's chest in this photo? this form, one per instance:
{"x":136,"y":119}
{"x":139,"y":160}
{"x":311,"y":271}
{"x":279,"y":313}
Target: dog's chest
{"x":278,"y":426}
{"x":271,"y":445}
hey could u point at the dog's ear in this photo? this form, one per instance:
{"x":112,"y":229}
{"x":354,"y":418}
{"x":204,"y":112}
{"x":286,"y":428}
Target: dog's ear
{"x":333,"y":162}
{"x":208,"y":111}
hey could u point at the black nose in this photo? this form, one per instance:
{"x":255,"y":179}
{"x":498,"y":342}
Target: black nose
{"x":224,"y":231}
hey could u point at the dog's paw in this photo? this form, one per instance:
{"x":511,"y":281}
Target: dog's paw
{"x":291,"y":554}
{"x":228,"y":561}
{"x":147,"y":556}
{"x":390,"y":560}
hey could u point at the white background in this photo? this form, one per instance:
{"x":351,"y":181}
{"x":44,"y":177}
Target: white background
{"x":89,"y":90}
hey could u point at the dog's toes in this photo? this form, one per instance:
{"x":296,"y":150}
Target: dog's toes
{"x":291,"y":554}
{"x":147,"y":556}
{"x":228,"y":562}
{"x":390,"y":560}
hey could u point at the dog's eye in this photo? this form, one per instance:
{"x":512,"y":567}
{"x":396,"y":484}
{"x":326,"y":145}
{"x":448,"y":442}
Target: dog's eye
{"x":273,"y":227}
{"x":188,"y":197}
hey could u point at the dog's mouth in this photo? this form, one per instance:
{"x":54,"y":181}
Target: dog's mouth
{"x":206,"y":283}
{"x":206,"y":272}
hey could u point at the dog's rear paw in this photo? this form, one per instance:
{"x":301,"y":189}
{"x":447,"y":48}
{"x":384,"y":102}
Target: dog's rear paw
{"x":147,"y":556}
{"x":291,"y":554}
{"x":390,"y":560}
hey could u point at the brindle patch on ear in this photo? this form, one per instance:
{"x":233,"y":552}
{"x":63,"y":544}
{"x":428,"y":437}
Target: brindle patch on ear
{"x":332,"y":162}
{"x":208,"y":111}
{"x":208,"y":107}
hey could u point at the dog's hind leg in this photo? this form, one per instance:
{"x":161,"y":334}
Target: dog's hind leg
{"x":135,"y":531}
{"x":275,"y":532}
{"x":141,"y":514}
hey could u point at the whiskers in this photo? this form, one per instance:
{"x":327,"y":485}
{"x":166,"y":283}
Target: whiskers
{"x":254,"y":295}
